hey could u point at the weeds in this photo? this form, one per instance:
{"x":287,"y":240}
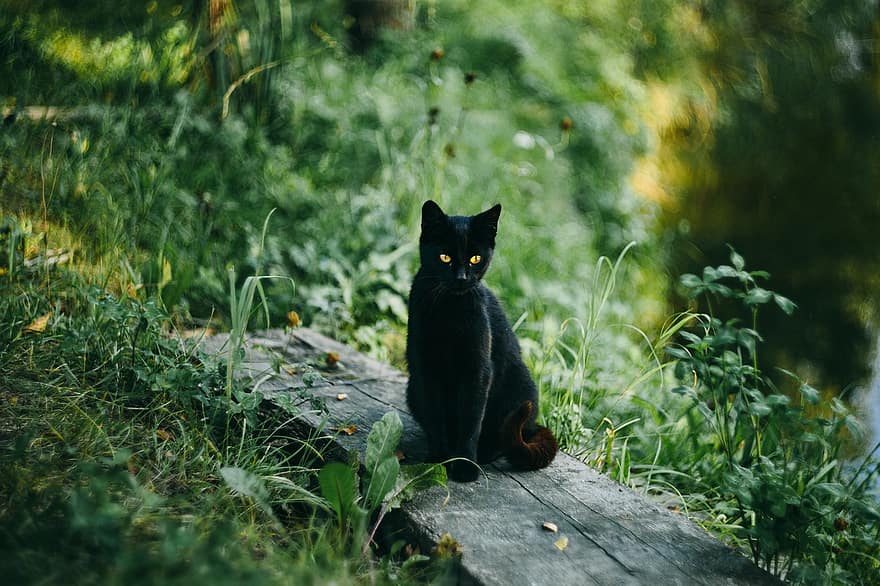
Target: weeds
{"x":779,"y":464}
{"x":770,"y":471}
{"x":115,"y":443}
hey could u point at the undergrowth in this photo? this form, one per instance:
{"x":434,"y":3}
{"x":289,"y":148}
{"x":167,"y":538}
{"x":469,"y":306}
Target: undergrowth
{"x":125,"y":461}
{"x":703,"y":429}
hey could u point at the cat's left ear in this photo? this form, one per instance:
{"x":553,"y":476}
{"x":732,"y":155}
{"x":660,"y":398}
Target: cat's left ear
{"x":433,"y":220}
{"x":488,"y":220}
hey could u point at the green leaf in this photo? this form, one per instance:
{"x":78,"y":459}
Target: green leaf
{"x":380,"y":463}
{"x":759,"y":409}
{"x":416,"y":478}
{"x":726,"y":272}
{"x":785,"y":304}
{"x":381,"y":482}
{"x":809,"y":394}
{"x":677,"y":352}
{"x":758,"y":296}
{"x":737,"y":260}
{"x":382,"y":441}
{"x":690,"y":281}
{"x":338,"y":484}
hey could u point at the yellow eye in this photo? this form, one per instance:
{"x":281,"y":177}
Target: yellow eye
{"x":475,"y":259}
{"x":445,"y":258}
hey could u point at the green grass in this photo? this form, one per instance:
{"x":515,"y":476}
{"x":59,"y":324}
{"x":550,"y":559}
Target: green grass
{"x":115,"y":443}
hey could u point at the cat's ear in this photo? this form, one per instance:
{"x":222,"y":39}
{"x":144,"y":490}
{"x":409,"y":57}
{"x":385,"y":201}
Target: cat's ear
{"x":488,"y":221}
{"x":432,"y":217}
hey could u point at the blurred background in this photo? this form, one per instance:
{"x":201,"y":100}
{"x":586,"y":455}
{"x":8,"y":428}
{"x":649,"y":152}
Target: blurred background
{"x":150,"y":140}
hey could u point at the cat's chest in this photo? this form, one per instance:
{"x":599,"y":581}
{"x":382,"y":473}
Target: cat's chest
{"x":470,"y":322}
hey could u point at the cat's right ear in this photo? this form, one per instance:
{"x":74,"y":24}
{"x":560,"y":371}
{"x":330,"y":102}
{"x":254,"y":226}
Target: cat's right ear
{"x":432,"y":217}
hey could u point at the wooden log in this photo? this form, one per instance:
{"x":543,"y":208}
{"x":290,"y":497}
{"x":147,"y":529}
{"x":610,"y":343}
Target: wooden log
{"x":612,"y":535}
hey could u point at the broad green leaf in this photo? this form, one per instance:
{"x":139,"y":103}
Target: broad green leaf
{"x":382,"y":441}
{"x":338,"y":484}
{"x":809,"y":394}
{"x":726,"y":272}
{"x":759,"y":409}
{"x":381,"y":482}
{"x":785,"y":304}
{"x":758,"y":296}
{"x":777,"y":400}
{"x":690,"y":281}
{"x":690,"y":337}
{"x":416,"y":478}
{"x":737,"y":260}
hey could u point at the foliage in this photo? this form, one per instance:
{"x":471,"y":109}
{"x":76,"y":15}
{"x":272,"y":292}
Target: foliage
{"x":385,"y":484}
{"x":115,"y":441}
{"x":779,"y":464}
{"x":345,"y":153}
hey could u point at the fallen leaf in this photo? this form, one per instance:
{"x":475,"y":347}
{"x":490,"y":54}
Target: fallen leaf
{"x":347,"y":430}
{"x":162,"y":434}
{"x":399,"y":455}
{"x":332,"y":359}
{"x":38,"y":325}
{"x":561,"y":543}
{"x":341,"y":396}
{"x":551,"y":527}
{"x":291,"y":371}
{"x":293,"y":319}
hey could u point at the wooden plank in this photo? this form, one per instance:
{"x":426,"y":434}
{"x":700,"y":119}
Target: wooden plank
{"x":615,"y":536}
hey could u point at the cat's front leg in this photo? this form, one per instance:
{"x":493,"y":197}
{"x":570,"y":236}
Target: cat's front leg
{"x":471,"y":408}
{"x":430,"y":411}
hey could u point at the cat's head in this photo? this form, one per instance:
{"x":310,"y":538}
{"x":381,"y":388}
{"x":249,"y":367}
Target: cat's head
{"x":457,"y":249}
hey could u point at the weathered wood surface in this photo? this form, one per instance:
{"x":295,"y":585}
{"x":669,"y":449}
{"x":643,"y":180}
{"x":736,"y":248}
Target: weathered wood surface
{"x":615,"y":536}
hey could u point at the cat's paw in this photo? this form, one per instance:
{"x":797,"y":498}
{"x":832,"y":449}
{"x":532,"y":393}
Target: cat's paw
{"x":462,"y":471}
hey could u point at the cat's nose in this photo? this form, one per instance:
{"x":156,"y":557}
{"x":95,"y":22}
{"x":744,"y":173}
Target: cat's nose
{"x":460,"y":275}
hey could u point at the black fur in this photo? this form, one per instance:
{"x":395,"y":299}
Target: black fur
{"x":468,"y":386}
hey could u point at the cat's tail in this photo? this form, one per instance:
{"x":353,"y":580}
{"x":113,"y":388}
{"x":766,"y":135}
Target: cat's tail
{"x":527,"y":449}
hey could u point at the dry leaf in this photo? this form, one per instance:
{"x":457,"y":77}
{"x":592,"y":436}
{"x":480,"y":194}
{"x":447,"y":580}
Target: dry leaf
{"x":341,"y":396}
{"x":561,"y":543}
{"x":347,"y":430}
{"x":399,"y":455}
{"x":291,"y":371}
{"x":293,"y":319}
{"x":551,"y":527}
{"x":162,"y":434}
{"x":332,"y":359}
{"x":38,"y":325}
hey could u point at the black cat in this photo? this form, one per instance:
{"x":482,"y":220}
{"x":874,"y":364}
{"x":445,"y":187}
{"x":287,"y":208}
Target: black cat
{"x":468,"y":387}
